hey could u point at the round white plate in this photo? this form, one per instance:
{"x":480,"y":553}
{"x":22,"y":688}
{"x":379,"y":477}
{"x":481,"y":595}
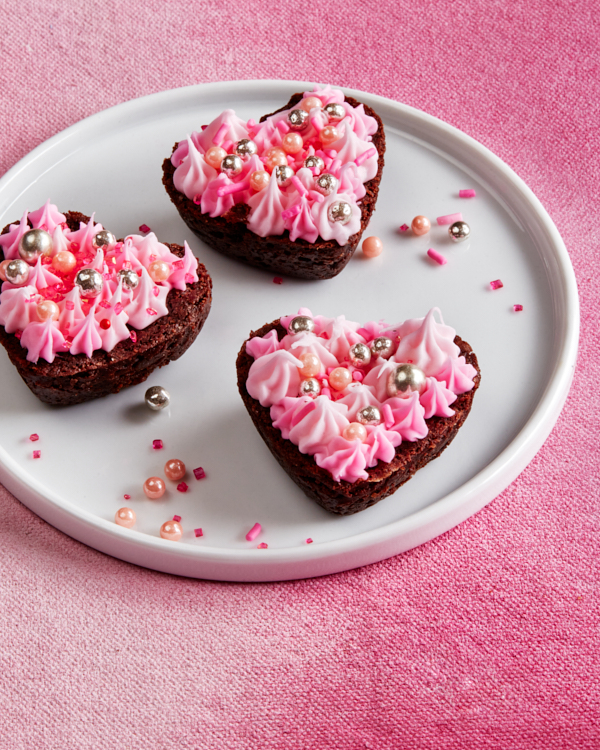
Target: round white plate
{"x":92,"y":454}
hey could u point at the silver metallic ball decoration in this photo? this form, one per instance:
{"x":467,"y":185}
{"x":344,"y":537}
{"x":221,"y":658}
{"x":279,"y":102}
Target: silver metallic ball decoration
{"x":89,"y":281}
{"x":298,"y":119}
{"x":336,"y":112}
{"x":339,"y":211}
{"x":157,"y":398}
{"x":104,"y":239}
{"x":232,"y":165}
{"x":309,"y":387}
{"x":405,"y":379}
{"x":283,"y":175}
{"x":382,"y":347}
{"x":246,"y":148}
{"x":359,"y":355}
{"x":301,"y":324}
{"x":459,"y":231}
{"x":130,"y":278}
{"x":314,"y":162}
{"x":34,"y":243}
{"x":326,"y":184}
{"x":17,"y":272}
{"x":369,"y":415}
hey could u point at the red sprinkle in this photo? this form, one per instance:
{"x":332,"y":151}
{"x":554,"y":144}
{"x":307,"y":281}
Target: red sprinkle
{"x":189,"y":279}
{"x":199,"y":473}
{"x":144,"y":228}
{"x":133,"y":336}
{"x":105,"y":324}
{"x":151,"y":311}
{"x":118,"y":308}
{"x":182,"y":487}
{"x":104,"y":304}
{"x":198,"y":199}
{"x":157,"y":445}
{"x":198,"y":532}
{"x":34,"y":437}
{"x":155,"y":291}
{"x":496,"y":284}
{"x":278,"y":280}
{"x":467,"y":193}
{"x":518,"y":308}
{"x":127,"y":497}
{"x":177,"y":518}
{"x":309,"y":541}
{"x":262,"y":545}
{"x":37,"y":454}
{"x":178,"y":264}
{"x":18,"y":334}
{"x":404,"y":228}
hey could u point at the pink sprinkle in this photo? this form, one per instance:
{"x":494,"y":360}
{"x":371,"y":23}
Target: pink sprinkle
{"x":198,"y":199}
{"x":151,"y":311}
{"x":103,"y":303}
{"x":37,"y":454}
{"x":326,"y":392}
{"x":364,"y":156}
{"x":68,"y":342}
{"x":437,"y":257}
{"x":309,"y":541}
{"x":388,"y":416}
{"x":404,"y":228}
{"x":254,"y":532}
{"x":283,"y":127}
{"x":178,"y":264}
{"x":177,"y":518}
{"x":127,"y":497}
{"x":144,"y":228}
{"x":518,"y":308}
{"x":18,"y":334}
{"x":182,"y":487}
{"x":199,"y":473}
{"x":262,"y":545}
{"x":34,"y":437}
{"x":155,"y":292}
{"x":277,"y":280}
{"x":289,"y":213}
{"x":299,"y":186}
{"x":303,"y":412}
{"x":467,"y":193}
{"x":227,"y":145}
{"x":250,"y":124}
{"x":152,"y":258}
{"x":133,"y":336}
{"x":331,"y":153}
{"x":189,"y":279}
{"x":315,"y":123}
{"x":157,"y":445}
{"x":357,"y":375}
{"x":220,"y":134}
{"x":118,"y":308}
{"x":329,"y":370}
{"x":449,"y":219}
{"x":496,"y":284}
{"x":203,"y":127}
{"x":236,"y":187}
{"x":198,"y":532}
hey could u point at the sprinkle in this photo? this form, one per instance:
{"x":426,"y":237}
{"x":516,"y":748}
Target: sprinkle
{"x":262,"y":545}
{"x":67,"y":343}
{"x":151,"y":311}
{"x":277,"y":280}
{"x":364,"y":156}
{"x":37,"y":454}
{"x":34,"y":437}
{"x":467,"y":193}
{"x":182,"y":487}
{"x":437,"y":257}
{"x":105,"y":324}
{"x":127,"y":497}
{"x":199,"y":473}
{"x":18,"y":334}
{"x":178,"y":264}
{"x":144,"y":228}
{"x":496,"y":284}
{"x":315,"y":123}
{"x":404,"y":228}
{"x":309,"y":541}
{"x":153,"y":258}
{"x":254,"y":532}
{"x":157,"y":445}
{"x":133,"y":336}
{"x":357,"y":375}
{"x":283,"y":127}
{"x":198,"y":532}
{"x":299,"y":186}
{"x":326,"y":392}
{"x":104,"y":304}
{"x":220,"y":134}
{"x":518,"y":308}
{"x":74,"y":245}
{"x":189,"y":279}
{"x":250,"y":124}
{"x":289,"y":213}
{"x":177,"y":518}
{"x":203,"y":127}
{"x":388,"y":416}
{"x":236,"y":187}
{"x":227,"y":145}
{"x":449,"y":219}
{"x":118,"y":308}
{"x":198,"y":199}
{"x":155,"y":291}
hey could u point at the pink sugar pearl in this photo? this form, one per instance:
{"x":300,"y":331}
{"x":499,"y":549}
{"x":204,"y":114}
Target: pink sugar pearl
{"x":339,"y":378}
{"x":214,"y":156}
{"x":372,"y":247}
{"x":125,"y":517}
{"x":310,"y":103}
{"x":355,"y":431}
{"x":292,"y":143}
{"x":276,"y":157}
{"x":420,"y":225}
{"x":259,"y":180}
{"x":171,"y":530}
{"x":311,"y":365}
{"x":174,"y":469}
{"x":3,"y":269}
{"x":64,"y":261}
{"x":154,"y":487}
{"x":329,"y":134}
{"x":47,"y":309}
{"x":159,"y":270}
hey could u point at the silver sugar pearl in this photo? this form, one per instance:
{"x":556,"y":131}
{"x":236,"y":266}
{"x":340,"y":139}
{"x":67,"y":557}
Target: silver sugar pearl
{"x":309,"y":387}
{"x":359,"y":355}
{"x":283,"y":175}
{"x":301,"y":324}
{"x":246,"y":148}
{"x":382,"y":347}
{"x":34,"y":243}
{"x":104,"y":239}
{"x":339,"y":211}
{"x":336,"y":112}
{"x":298,"y":119}
{"x":459,"y":231}
{"x":405,"y":379}
{"x":130,"y":278}
{"x":17,"y":272}
{"x":326,"y":184}
{"x":89,"y":281}
{"x":314,"y":162}
{"x":157,"y":398}
{"x":369,"y":415}
{"x":232,"y":165}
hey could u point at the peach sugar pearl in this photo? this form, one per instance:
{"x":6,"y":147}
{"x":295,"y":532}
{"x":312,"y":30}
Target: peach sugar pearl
{"x":311,"y":365}
{"x":64,"y":261}
{"x":420,"y":225}
{"x":47,"y":309}
{"x":159,"y":270}
{"x":355,"y":431}
{"x":214,"y":156}
{"x":329,"y":134}
{"x":154,"y":487}
{"x":310,"y":103}
{"x":174,"y":469}
{"x":171,"y":530}
{"x":292,"y":143}
{"x":275,"y":157}
{"x":339,"y":378}
{"x":259,"y":180}
{"x":3,"y":269}
{"x":125,"y":517}
{"x":372,"y":247}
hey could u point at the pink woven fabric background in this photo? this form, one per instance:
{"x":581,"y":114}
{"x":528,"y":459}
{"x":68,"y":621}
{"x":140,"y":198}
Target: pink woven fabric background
{"x":486,"y":637}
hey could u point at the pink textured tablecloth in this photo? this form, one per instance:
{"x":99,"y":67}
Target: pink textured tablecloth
{"x":486,"y":637}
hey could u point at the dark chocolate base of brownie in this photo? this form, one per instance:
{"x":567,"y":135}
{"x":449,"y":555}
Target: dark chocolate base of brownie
{"x":346,"y":498}
{"x":73,"y":379}
{"x":229,"y":235}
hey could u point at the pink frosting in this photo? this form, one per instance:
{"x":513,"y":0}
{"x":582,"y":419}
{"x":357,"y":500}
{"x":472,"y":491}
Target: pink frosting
{"x":267,"y":206}
{"x":47,"y":217}
{"x":335,"y":230}
{"x":316,"y":426}
{"x":16,"y":310}
{"x":428,"y":346}
{"x":192,"y":177}
{"x":42,"y":339}
{"x":9,"y":242}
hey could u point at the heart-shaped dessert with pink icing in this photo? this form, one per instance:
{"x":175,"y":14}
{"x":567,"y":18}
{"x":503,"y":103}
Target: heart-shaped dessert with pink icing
{"x":351,"y":412}
{"x":291,"y":193}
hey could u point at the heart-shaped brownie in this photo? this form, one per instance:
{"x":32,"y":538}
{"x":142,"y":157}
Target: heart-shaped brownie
{"x":83,"y":315}
{"x":292,"y":193}
{"x":351,"y":413}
